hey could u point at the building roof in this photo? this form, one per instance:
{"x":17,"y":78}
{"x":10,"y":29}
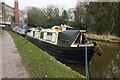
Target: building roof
{"x":10,"y":6}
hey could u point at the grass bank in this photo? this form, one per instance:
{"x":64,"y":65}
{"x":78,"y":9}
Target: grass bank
{"x":40,"y":64}
{"x":105,"y":38}
{"x":1,"y":31}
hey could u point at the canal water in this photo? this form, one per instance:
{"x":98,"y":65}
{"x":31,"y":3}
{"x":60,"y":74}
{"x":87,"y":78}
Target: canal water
{"x":105,"y":66}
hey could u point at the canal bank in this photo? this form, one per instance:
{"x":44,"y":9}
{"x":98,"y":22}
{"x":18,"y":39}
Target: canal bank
{"x":104,"y":38}
{"x":40,"y":64}
{"x":0,"y":31}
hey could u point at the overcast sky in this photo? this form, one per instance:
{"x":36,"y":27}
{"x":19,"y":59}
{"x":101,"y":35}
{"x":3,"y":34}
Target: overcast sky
{"x":43,"y":3}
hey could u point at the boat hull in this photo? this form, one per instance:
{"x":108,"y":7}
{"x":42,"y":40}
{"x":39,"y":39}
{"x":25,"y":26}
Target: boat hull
{"x":66,"y":54}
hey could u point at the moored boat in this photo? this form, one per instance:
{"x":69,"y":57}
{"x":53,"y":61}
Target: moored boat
{"x":20,"y":30}
{"x":65,"y":45}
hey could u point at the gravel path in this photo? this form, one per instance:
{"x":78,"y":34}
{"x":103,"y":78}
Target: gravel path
{"x":11,"y":60}
{"x":0,"y":55}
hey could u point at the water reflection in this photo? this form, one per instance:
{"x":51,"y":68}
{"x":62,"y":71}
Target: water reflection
{"x":105,"y":66}
{"x":76,"y":67}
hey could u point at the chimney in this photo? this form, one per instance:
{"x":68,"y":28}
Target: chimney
{"x":16,"y":11}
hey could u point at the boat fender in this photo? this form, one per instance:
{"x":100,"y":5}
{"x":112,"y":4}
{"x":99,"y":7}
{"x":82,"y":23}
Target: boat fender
{"x":97,"y":49}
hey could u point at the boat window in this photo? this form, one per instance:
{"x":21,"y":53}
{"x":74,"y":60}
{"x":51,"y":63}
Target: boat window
{"x":54,"y":35}
{"x":49,"y":36}
{"x":28,"y":30}
{"x":41,"y":35}
{"x":33,"y":33}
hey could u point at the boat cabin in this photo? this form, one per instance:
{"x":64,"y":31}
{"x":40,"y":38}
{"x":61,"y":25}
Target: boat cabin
{"x":72,"y":38}
{"x":46,"y":35}
{"x":20,"y":29}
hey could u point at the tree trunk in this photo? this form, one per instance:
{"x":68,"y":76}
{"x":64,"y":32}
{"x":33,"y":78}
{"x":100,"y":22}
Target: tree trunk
{"x":113,"y":25}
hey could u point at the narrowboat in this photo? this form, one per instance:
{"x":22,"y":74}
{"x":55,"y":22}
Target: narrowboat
{"x":22,"y":30}
{"x":64,"y":45}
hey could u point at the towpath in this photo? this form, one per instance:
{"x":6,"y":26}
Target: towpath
{"x":0,"y":54}
{"x":11,"y":60}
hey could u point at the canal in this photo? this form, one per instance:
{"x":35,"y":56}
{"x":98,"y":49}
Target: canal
{"x":105,"y":66}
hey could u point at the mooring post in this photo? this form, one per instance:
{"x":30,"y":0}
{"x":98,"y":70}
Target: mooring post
{"x":86,"y":63}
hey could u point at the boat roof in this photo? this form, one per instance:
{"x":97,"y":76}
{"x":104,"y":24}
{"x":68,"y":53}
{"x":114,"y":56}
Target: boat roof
{"x":67,"y":37}
{"x":83,"y":31}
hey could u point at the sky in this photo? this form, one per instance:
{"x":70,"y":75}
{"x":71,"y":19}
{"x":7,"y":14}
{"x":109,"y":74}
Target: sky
{"x":43,"y":3}
{"x":66,"y":4}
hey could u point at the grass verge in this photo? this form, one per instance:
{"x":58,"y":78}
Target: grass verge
{"x":1,"y":31}
{"x":40,"y":64}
